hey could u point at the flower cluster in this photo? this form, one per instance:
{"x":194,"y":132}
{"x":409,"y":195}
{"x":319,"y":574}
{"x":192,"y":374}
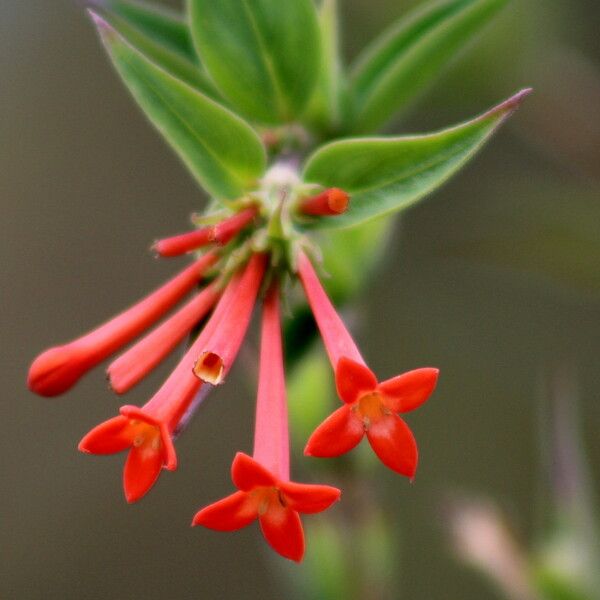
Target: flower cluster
{"x":245,"y":257}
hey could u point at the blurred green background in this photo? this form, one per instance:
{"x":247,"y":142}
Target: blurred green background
{"x":494,"y":279}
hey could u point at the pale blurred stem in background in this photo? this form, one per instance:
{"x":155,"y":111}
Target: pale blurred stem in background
{"x":567,"y":554}
{"x":563,"y":563}
{"x":353,"y":553}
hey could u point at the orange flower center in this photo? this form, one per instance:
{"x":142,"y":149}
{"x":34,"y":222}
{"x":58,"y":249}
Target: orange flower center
{"x":370,"y":408}
{"x":268,"y":498}
{"x":144,"y":435}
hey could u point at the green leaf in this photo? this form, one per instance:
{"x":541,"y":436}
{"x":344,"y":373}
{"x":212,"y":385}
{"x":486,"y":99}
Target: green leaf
{"x":223,"y":152}
{"x":326,"y":109}
{"x":164,"y":26}
{"x":172,"y":62}
{"x":398,"y":65}
{"x":387,"y":174}
{"x":264,"y":55}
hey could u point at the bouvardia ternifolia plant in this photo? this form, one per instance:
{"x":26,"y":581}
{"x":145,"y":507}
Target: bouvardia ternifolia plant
{"x":254,"y":98}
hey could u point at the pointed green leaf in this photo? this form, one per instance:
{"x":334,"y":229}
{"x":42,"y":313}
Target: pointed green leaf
{"x":164,"y":26}
{"x":264,"y":55}
{"x":387,"y":174}
{"x":161,"y":55}
{"x":325,"y":109}
{"x":223,"y":152}
{"x":398,"y":65}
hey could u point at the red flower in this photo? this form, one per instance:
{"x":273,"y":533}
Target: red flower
{"x":370,"y":407}
{"x":56,"y":370}
{"x":147,"y":432}
{"x":370,"y":410}
{"x":275,"y":503}
{"x":265,"y":492}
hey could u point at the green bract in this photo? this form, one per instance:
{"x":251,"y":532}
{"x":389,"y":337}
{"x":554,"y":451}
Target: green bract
{"x":386,"y":174}
{"x":220,"y":149}
{"x":264,"y":55}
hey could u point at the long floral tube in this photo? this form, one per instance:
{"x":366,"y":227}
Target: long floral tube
{"x":147,"y":432}
{"x":264,"y":489}
{"x":338,"y":341}
{"x":132,"y":366}
{"x":56,"y":370}
{"x":221,"y":233}
{"x":219,"y":353}
{"x":271,"y":435}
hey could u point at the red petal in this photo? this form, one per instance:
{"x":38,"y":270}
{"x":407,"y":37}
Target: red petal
{"x":394,"y":444}
{"x":142,"y":469}
{"x":353,"y":379}
{"x":340,"y":432}
{"x":230,"y":513}
{"x":306,"y":498}
{"x":409,"y":390}
{"x":108,"y":437}
{"x":282,"y":528}
{"x":247,"y":474}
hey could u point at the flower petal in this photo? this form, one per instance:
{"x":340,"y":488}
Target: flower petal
{"x":306,"y":498}
{"x":353,"y":379}
{"x":282,"y":528}
{"x":409,"y":390}
{"x":107,"y":438}
{"x":230,"y":513}
{"x":142,"y":469}
{"x":247,"y":473}
{"x":339,"y":433}
{"x":394,"y":444}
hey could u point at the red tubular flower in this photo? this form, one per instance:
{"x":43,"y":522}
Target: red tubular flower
{"x":264,"y":490}
{"x":147,"y":432}
{"x":330,"y":202}
{"x":217,"y":356}
{"x":370,"y":407}
{"x":132,"y":366}
{"x":221,"y":233}
{"x":56,"y":370}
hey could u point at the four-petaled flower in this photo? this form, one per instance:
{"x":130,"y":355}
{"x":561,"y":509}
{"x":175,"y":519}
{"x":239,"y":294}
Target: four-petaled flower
{"x":265,"y":490}
{"x":370,"y":409}
{"x":370,"y":406}
{"x":275,"y":503}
